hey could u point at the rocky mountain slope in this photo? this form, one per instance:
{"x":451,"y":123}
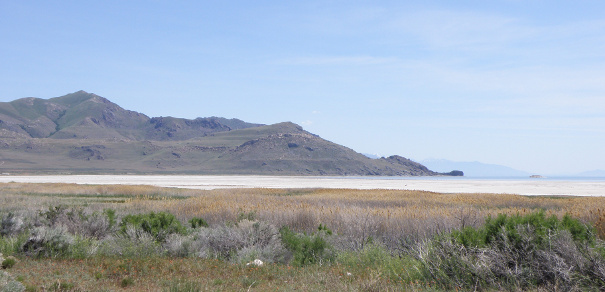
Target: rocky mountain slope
{"x":85,"y":133}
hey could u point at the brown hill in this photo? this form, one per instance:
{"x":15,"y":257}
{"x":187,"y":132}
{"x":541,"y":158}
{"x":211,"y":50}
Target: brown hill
{"x":85,"y":133}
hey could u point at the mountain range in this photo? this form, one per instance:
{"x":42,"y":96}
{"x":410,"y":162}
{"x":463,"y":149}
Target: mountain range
{"x":82,"y":132}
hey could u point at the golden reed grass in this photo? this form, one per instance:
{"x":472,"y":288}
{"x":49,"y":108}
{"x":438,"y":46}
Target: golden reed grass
{"x":343,"y":210}
{"x":382,"y":210}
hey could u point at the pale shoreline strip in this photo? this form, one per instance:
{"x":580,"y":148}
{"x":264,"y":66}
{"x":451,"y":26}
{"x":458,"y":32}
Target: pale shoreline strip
{"x":520,"y":187}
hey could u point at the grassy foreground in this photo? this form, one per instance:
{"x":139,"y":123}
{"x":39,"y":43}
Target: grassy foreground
{"x":69,"y":237}
{"x":193,"y":274}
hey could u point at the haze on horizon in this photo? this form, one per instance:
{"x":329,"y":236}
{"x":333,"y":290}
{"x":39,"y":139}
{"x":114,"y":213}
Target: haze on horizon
{"x":515,"y":83}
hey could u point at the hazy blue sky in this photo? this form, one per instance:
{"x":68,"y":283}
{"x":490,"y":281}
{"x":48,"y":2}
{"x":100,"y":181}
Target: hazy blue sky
{"x":518,"y":83}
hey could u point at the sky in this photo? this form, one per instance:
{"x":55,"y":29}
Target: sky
{"x":519,"y":83}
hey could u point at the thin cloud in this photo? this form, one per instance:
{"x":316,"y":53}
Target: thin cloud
{"x":471,"y":33}
{"x":462,"y":30}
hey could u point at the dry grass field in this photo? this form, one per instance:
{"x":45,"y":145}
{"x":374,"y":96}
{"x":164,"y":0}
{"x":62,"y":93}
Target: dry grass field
{"x":360,"y":220}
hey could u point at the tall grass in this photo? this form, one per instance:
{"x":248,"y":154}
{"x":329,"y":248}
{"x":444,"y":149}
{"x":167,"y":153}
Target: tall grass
{"x":382,"y":238}
{"x":360,"y":216}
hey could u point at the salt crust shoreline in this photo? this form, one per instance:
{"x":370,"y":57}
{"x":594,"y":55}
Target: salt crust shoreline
{"x":520,"y":187}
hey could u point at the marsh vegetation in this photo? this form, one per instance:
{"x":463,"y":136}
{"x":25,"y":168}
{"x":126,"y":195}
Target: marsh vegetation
{"x":68,"y":237}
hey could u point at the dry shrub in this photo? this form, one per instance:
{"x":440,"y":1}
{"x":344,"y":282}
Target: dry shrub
{"x":134,"y":242}
{"x":77,"y":221}
{"x":11,"y":224}
{"x":243,"y":242}
{"x":565,"y":265}
{"x":182,"y":245}
{"x":597,"y":218}
{"x":48,"y":241}
{"x":302,"y":221}
{"x":8,"y":283}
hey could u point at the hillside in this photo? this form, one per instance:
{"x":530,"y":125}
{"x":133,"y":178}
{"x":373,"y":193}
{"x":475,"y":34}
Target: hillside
{"x":85,"y":133}
{"x":85,"y":115}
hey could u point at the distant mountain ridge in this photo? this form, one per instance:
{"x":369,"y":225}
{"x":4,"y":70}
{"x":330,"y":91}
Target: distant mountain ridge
{"x":89,"y":116}
{"x":82,"y":132}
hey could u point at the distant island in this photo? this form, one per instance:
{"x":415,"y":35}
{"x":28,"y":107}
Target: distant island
{"x":85,"y":133}
{"x":473,"y":168}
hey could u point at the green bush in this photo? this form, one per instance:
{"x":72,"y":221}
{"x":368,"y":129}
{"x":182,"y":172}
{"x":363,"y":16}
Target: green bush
{"x":126,"y":281}
{"x":53,"y":214}
{"x":9,"y":262}
{"x":307,"y":249}
{"x":376,"y":257}
{"x":82,"y":247}
{"x":504,"y":227}
{"x":325,"y":229}
{"x":159,"y":225}
{"x":372,"y":255}
{"x":579,"y":231}
{"x":10,"y":245}
{"x":198,"y":222}
{"x":111,"y":217}
{"x":250,"y":216}
{"x":516,"y":253}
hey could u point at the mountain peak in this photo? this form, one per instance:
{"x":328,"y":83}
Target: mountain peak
{"x":73,"y":99}
{"x":290,"y":126}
